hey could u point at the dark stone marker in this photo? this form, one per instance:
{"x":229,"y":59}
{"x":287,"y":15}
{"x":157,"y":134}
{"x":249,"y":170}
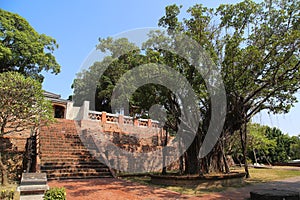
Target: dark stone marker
{"x":274,"y":194}
{"x":33,"y":184}
{"x":34,"y":179}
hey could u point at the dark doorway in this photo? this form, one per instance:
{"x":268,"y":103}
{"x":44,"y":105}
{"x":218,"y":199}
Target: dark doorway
{"x":59,"y":112}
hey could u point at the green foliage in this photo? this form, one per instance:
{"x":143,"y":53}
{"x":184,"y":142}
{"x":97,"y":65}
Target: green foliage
{"x":295,"y":147}
{"x":55,"y":194}
{"x":259,"y":143}
{"x":282,"y":151}
{"x":268,"y":144}
{"x":7,"y":194}
{"x":22,"y":103}
{"x":24,"y":50}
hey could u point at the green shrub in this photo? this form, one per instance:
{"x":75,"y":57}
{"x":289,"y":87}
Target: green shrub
{"x":55,"y":194}
{"x":7,"y":194}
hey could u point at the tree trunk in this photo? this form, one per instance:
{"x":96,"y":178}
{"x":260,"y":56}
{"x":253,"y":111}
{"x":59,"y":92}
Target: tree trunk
{"x":192,"y":165}
{"x":254,"y":153}
{"x":227,"y":170}
{"x":215,"y":159}
{"x":4,"y":179}
{"x":181,"y":170}
{"x":164,"y":169}
{"x":266,"y":158}
{"x":243,"y":135}
{"x":216,"y":162}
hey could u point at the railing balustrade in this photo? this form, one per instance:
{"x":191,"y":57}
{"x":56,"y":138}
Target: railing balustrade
{"x":105,"y":117}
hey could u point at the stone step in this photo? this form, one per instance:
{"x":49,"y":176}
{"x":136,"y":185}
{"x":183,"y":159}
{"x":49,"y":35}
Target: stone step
{"x":32,"y":197}
{"x":33,"y":189}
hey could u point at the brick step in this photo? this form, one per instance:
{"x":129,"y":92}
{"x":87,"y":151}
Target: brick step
{"x":60,"y":141}
{"x":81,"y":175}
{"x":69,"y":161}
{"x":57,"y":142}
{"x":78,"y":177}
{"x":67,"y":157}
{"x":74,"y":170}
{"x":64,"y":155}
{"x":63,"y":147}
{"x":53,"y":166}
{"x":71,"y":165}
{"x":61,"y":136}
{"x":78,"y":154}
{"x":67,"y":154}
{"x":54,"y":132}
{"x":65,"y":150}
{"x":69,"y":151}
{"x":51,"y":151}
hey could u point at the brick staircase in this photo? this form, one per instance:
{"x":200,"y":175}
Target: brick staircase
{"x":63,"y":156}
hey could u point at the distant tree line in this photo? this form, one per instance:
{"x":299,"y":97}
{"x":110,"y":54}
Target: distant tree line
{"x":266,"y":145}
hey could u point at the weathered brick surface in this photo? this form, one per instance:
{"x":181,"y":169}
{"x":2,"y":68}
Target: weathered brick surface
{"x":14,"y":142}
{"x":12,"y":147}
{"x":73,"y":149}
{"x":143,"y":144}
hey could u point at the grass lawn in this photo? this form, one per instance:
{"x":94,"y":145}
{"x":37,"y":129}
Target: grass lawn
{"x":9,"y":188}
{"x":267,"y":175}
{"x":257,"y":176}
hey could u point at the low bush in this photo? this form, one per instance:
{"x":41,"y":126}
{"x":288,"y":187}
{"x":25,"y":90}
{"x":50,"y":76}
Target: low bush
{"x":55,"y":194}
{"x":7,"y":194}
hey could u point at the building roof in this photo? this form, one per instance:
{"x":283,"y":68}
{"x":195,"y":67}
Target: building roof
{"x":51,"y":95}
{"x":54,"y":98}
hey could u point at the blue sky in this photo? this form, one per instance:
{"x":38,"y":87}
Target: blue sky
{"x":77,"y":25}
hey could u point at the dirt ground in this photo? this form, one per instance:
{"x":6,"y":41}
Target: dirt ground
{"x":115,"y":189}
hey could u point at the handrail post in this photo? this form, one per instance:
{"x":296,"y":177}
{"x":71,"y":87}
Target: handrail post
{"x":103,"y":117}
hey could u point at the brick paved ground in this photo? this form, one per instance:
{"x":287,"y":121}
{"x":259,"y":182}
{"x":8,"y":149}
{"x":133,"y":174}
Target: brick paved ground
{"x":112,"y":189}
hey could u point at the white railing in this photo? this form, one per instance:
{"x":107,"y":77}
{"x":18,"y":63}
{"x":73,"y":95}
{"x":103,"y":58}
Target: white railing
{"x":112,"y":118}
{"x":95,"y":115}
{"x":126,"y":120}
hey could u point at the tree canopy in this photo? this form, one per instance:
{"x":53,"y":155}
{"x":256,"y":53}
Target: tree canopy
{"x":24,"y":50}
{"x":22,"y":103}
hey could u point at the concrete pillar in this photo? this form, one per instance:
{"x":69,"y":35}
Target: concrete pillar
{"x":85,"y":111}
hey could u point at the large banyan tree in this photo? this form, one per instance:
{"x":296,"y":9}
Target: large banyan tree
{"x":254,"y":47}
